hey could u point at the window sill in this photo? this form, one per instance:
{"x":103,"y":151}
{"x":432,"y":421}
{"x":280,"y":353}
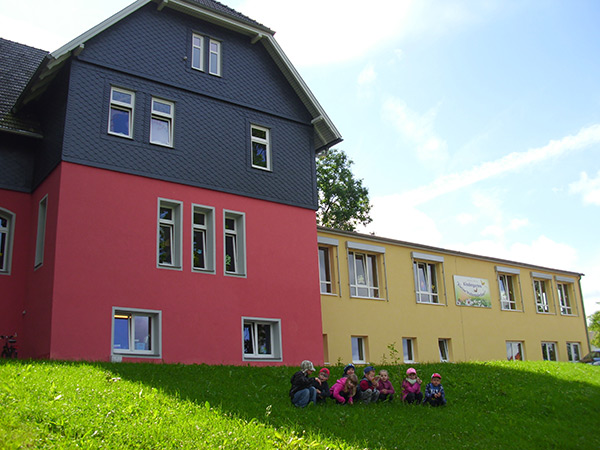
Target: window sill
{"x":330,"y":294}
{"x":511,"y":310}
{"x":116,"y":356}
{"x":264,"y":169}
{"x":569,"y":315}
{"x":207,"y":271}
{"x":235,"y":274}
{"x":164,"y":266}
{"x":262,"y":358}
{"x":365,"y":298}
{"x":430,"y":303}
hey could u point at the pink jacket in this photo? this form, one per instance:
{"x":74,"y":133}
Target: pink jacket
{"x":407,"y":387}
{"x":339,"y":387}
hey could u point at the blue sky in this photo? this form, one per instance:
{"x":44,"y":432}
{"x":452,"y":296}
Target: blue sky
{"x":475,"y":125}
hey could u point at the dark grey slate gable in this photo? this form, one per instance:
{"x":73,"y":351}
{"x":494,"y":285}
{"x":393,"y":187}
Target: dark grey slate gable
{"x":148,"y":53}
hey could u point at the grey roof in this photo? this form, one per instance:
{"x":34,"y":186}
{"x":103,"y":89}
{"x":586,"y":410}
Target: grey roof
{"x":226,"y":10}
{"x":18,"y":63}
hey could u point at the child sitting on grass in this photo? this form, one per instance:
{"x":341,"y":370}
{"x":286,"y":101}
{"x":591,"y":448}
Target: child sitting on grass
{"x":411,"y":387}
{"x":321,"y":385}
{"x":344,"y":389}
{"x":434,"y":392}
{"x":386,"y":390}
{"x":367,"y":389}
{"x":302,"y":391}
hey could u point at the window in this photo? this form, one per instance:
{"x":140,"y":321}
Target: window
{"x":203,"y":238}
{"x":120,"y":117}
{"x":136,"y":332}
{"x":161,"y":122}
{"x":564,"y":298}
{"x":363,"y":275}
{"x":408,"y":350}
{"x":261,"y":148}
{"x":573,"y":351}
{"x":507,"y":292}
{"x":41,"y":232}
{"x":426,"y":282}
{"x":6,"y":240}
{"x":261,"y":339}
{"x":214,"y":57}
{"x":235,"y":247}
{"x":169,"y":234}
{"x":549,"y":351}
{"x":358,"y":350}
{"x":325,"y":270}
{"x":514,"y":351}
{"x":541,"y":297}
{"x":197,"y":52}
{"x":443,"y":345}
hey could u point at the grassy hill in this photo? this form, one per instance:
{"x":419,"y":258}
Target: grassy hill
{"x":491,"y":405}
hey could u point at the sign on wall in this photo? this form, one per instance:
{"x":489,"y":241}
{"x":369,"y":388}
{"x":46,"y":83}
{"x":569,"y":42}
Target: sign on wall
{"x":472,"y":292}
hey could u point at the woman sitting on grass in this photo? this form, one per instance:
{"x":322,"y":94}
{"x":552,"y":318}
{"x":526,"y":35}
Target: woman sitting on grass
{"x":344,"y":390}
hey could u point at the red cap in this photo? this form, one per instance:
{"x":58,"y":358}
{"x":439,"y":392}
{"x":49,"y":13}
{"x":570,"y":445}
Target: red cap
{"x":436,"y":375}
{"x":324,"y":370}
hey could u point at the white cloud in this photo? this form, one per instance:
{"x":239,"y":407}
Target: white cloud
{"x":392,"y":219}
{"x":367,"y":75}
{"x":418,"y":129}
{"x":512,"y":162}
{"x":588,"y":188}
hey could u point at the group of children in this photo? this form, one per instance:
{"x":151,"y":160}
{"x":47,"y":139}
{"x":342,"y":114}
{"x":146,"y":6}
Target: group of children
{"x":370,"y":389}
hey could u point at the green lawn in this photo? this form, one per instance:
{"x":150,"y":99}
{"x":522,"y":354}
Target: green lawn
{"x":493,"y":405}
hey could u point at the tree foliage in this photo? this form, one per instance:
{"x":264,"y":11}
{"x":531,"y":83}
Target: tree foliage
{"x":594,"y":325}
{"x":343,"y":200}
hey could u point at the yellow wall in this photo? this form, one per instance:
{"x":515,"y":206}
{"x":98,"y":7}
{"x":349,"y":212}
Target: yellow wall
{"x":474,"y":333}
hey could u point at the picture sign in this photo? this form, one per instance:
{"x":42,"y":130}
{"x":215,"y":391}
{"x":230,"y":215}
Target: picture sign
{"x":472,"y":292}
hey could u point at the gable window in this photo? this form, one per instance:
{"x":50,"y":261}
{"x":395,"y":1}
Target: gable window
{"x":443,"y":345}
{"x":261,"y":148}
{"x":261,"y":338}
{"x":169,"y":234}
{"x":235,"y":247}
{"x":136,"y":332}
{"x":120,"y":117}
{"x":573,"y":351}
{"x":214,"y":57}
{"x":358,"y":350}
{"x":508,"y":285}
{"x":549,"y":351}
{"x":541,"y":292}
{"x":197,"y":52}
{"x":408,"y":350}
{"x":514,"y":350}
{"x":203,"y":237}
{"x":161,"y":122}
{"x":6,"y":239}
{"x":41,"y":232}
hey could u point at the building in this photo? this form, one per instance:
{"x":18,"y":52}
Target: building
{"x":388,"y":300}
{"x":152,"y":173}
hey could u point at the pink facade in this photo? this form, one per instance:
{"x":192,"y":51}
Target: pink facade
{"x":101,"y":253}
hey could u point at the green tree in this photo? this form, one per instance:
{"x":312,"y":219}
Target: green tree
{"x":343,"y":200}
{"x":594,"y":325}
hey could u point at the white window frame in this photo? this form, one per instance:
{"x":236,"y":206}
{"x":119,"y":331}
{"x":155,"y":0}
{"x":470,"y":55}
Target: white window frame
{"x":197,"y":57}
{"x":371,"y":282}
{"x":570,"y":354}
{"x":541,"y":293}
{"x":506,"y":284}
{"x":409,"y":350}
{"x":208,"y":232}
{"x":211,"y":67}
{"x":40,"y":240}
{"x":515,"y":348}
{"x":564,"y":288}
{"x":238,"y":235}
{"x":175,"y":226}
{"x":163,"y":117}
{"x":275,"y":337}
{"x":6,"y":237}
{"x":325,"y":270}
{"x":507,"y":274}
{"x":547,"y":347}
{"x":359,"y":355}
{"x":444,"y":347}
{"x":261,"y":141}
{"x":155,"y":333}
{"x":119,"y":105}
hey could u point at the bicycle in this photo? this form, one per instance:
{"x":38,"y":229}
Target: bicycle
{"x":9,"y":350}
